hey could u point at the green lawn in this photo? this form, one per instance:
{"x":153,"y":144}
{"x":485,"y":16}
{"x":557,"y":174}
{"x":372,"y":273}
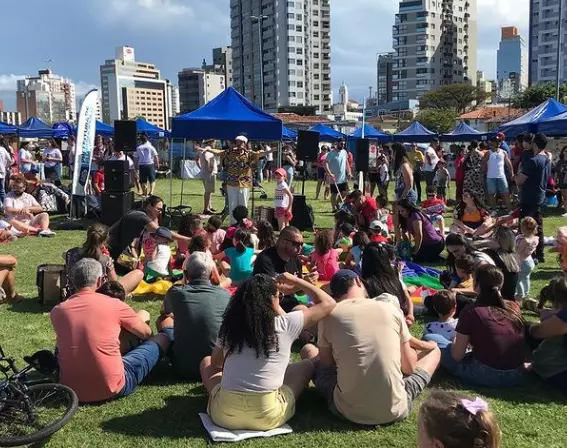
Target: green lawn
{"x":163,"y":412}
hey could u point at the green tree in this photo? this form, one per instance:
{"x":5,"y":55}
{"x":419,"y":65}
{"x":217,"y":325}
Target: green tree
{"x":535,"y":95}
{"x":438,"y":120}
{"x":459,"y":97}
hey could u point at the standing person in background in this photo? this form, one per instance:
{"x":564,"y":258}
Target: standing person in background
{"x":288,"y":164}
{"x":442,"y":180}
{"x":561,"y":175}
{"x":416,"y":160}
{"x":269,"y":166}
{"x":98,"y":154}
{"x":459,"y":174}
{"x":209,"y":170}
{"x":147,"y":158}
{"x":27,"y":163}
{"x":472,"y":164}
{"x":71,"y":146}
{"x":283,"y":199}
{"x":338,"y":170}
{"x":5,"y":162}
{"x":52,"y":161}
{"x":502,"y":144}
{"x":494,"y":164}
{"x":118,"y":154}
{"x":383,"y":176}
{"x":321,"y":172}
{"x":431,"y":159}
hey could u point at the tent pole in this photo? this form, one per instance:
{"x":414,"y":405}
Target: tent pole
{"x":170,"y":148}
{"x":182,"y":177}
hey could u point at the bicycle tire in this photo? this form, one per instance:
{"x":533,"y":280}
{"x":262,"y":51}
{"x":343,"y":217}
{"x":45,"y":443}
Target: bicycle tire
{"x":72,"y":406}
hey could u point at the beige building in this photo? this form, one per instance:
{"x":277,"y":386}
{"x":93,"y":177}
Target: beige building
{"x":197,"y":87}
{"x":486,"y":86}
{"x":132,"y":89}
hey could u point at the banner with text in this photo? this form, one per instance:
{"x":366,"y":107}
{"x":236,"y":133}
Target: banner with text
{"x":86,"y":129}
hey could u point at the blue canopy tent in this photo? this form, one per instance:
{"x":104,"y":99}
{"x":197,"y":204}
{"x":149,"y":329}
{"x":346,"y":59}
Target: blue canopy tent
{"x":288,"y":135}
{"x":370,"y":133}
{"x":35,"y":128}
{"x":104,"y":129}
{"x":153,"y":131}
{"x":554,"y":126}
{"x":327,"y":133}
{"x":6,"y":128}
{"x":63,"y":130}
{"x":463,"y":132}
{"x":530,"y":121}
{"x":225,"y":117}
{"x":415,"y":133}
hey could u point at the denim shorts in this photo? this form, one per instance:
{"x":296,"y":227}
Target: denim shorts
{"x":137,"y":365}
{"x":497,"y":185}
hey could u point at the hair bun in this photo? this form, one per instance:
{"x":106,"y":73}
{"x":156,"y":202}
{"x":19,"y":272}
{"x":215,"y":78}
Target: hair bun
{"x":496,"y":288}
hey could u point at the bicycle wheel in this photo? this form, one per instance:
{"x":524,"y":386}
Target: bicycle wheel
{"x":50,"y":407}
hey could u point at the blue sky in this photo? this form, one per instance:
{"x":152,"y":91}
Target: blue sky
{"x":78,"y":35}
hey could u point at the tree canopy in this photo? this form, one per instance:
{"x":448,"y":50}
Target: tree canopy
{"x":440,"y":121}
{"x":458,"y":97}
{"x":535,"y":95}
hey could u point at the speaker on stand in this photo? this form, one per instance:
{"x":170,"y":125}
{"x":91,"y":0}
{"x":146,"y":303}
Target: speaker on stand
{"x":361,"y":162}
{"x":117,"y":199}
{"x":307,"y":151}
{"x":125,"y":135}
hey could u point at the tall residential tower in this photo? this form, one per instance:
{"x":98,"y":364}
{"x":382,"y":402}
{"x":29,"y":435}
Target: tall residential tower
{"x":435,"y":42}
{"x":294,"y":38}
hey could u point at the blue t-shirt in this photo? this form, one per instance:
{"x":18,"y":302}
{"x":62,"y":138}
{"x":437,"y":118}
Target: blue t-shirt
{"x":356,"y":256}
{"x":504,"y":146}
{"x":538,"y":171}
{"x":240,"y":263}
{"x":337,"y":161}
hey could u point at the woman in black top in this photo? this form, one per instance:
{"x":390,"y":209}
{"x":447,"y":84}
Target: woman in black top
{"x":503,"y":251}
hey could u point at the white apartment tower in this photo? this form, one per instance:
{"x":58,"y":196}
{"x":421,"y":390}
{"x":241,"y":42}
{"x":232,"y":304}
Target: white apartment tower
{"x":295,"y":42}
{"x":47,"y":96}
{"x":132,"y":89}
{"x":197,"y":87}
{"x":435,"y":44}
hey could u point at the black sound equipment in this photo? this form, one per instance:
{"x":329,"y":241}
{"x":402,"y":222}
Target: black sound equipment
{"x":303,"y":217}
{"x":116,"y":176}
{"x":115,"y":206}
{"x":362,"y":155}
{"x":307,"y":146}
{"x":125,"y":135}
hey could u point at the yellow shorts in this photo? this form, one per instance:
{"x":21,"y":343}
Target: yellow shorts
{"x":250,"y":410}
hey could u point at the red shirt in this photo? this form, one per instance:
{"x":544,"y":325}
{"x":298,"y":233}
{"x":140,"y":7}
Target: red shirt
{"x":378,"y":239}
{"x":369,"y":210}
{"x":516,"y":157}
{"x":459,"y":169}
{"x":350,"y":160}
{"x":98,"y":179}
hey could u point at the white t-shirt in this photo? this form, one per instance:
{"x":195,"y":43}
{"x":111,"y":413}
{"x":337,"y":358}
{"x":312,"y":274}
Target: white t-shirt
{"x":270,"y":155}
{"x":244,"y":372}
{"x":434,"y":159}
{"x":25,"y":154}
{"x":281,"y":200}
{"x":146,"y":153}
{"x":204,"y":159}
{"x":160,"y":263}
{"x":495,"y":165}
{"x":23,"y":201}
{"x":5,"y":162}
{"x":445,"y":329}
{"x":124,"y":157}
{"x":51,"y":152}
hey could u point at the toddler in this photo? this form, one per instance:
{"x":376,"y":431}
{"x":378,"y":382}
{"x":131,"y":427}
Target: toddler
{"x":189,"y":224}
{"x":201,"y":243}
{"x":526,"y":244}
{"x":240,"y":257}
{"x":354,"y":257}
{"x":240,"y":216}
{"x":453,"y":420}
{"x":325,"y":259}
{"x":158,"y":265}
{"x":215,"y":234}
{"x":441,"y":179}
{"x":283,"y":199}
{"x":434,"y":208}
{"x":464,"y":267}
{"x":384,"y":215}
{"x":444,"y":303}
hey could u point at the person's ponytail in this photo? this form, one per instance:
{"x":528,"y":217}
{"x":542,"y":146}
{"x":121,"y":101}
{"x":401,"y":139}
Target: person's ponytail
{"x":241,"y":237}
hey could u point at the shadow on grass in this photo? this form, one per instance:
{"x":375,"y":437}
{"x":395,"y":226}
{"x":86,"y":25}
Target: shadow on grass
{"x":30,"y":306}
{"x":545,"y":275}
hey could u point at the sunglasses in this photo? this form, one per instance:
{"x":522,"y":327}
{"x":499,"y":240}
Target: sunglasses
{"x":296,"y":244}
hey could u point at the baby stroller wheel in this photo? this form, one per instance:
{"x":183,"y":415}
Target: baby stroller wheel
{"x":264,"y":196}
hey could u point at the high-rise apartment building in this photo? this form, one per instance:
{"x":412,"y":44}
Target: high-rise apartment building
{"x":132,"y":89}
{"x":511,"y":64}
{"x":49,"y":97}
{"x":435,"y":42}
{"x":222,"y":57}
{"x":544,"y":26}
{"x":385,"y":67}
{"x":197,"y":87}
{"x":295,"y":42}
{"x":173,"y":99}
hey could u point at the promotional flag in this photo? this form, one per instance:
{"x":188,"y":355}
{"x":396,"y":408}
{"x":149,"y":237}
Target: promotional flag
{"x":86,"y":129}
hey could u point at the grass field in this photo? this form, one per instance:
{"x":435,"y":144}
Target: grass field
{"x":163,"y":412}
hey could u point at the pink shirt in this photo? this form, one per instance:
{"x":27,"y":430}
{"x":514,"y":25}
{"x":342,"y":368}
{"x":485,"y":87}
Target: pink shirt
{"x":525,"y":246}
{"x":88,"y":327}
{"x":327,"y":264}
{"x":216,"y":238}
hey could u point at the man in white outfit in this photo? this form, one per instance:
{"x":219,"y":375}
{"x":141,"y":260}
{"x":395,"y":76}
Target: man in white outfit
{"x":494,"y":165}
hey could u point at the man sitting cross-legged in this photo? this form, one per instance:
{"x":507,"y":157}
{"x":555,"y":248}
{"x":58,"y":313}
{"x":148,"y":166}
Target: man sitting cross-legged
{"x":87,"y":327}
{"x":198,"y":308}
{"x":364,"y":365}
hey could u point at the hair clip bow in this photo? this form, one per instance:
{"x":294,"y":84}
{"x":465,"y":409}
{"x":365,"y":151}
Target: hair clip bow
{"x":475,"y":406}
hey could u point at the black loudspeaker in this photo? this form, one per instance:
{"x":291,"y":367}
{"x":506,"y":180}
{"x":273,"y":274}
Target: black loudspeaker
{"x":303,"y":217}
{"x":307,"y":145}
{"x":115,"y":206}
{"x":362,"y":155}
{"x":125,"y":135}
{"x":116,"y":176}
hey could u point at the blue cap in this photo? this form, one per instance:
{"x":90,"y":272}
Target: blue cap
{"x":341,"y":282}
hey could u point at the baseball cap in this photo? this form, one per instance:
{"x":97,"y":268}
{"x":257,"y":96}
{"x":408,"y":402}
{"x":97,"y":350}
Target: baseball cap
{"x":281,"y":172}
{"x":501,"y":136}
{"x":341,"y":282}
{"x":377,"y":225}
{"x":242,"y":138}
{"x":164,"y":232}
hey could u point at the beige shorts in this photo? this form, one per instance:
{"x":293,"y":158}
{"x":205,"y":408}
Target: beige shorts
{"x":210,"y":184}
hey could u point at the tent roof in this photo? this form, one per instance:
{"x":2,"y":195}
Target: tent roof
{"x":34,"y":127}
{"x":415,"y":132}
{"x":225,"y":117}
{"x":554,"y":126}
{"x":151,"y":129}
{"x":529,"y":121}
{"x":288,"y":134}
{"x":462,"y":132}
{"x":6,"y":128}
{"x":370,"y":132}
{"x":326,"y":133}
{"x":104,"y":129}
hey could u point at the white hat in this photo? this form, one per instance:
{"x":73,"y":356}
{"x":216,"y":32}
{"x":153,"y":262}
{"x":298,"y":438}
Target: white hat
{"x":242,"y":138}
{"x":378,"y":225}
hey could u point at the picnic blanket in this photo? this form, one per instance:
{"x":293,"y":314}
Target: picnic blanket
{"x":414,"y":274}
{"x":219,"y":434}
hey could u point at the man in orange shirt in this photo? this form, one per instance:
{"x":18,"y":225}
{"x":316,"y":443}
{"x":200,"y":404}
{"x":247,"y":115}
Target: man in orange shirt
{"x":88,"y":327}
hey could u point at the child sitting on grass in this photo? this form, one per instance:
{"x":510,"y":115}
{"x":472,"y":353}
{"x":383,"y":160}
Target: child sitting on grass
{"x":354,"y":257}
{"x":377,"y":230}
{"x":464,"y":267}
{"x":159,"y":265}
{"x":325,"y":259}
{"x":434,"y":208}
{"x":215,"y":234}
{"x":240,"y":257}
{"x":266,"y":235}
{"x":444,"y":303}
{"x":384,"y":214}
{"x":189,"y":224}
{"x":201,"y":243}
{"x":240,"y":215}
{"x":453,"y":420}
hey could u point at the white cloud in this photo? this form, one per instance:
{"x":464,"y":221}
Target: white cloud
{"x":82,"y":88}
{"x":493,"y":14}
{"x":142,"y":10}
{"x":8,"y":83}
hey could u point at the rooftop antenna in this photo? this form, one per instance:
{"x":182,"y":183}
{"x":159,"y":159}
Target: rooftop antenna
{"x":48,"y":63}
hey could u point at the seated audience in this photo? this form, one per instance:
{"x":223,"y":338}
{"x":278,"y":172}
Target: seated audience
{"x":8,"y":293}
{"x":428,"y":244}
{"x":240,"y":257}
{"x":354,"y":257}
{"x":95,"y":248}
{"x":494,"y":330}
{"x":201,"y":243}
{"x":248,"y":379}
{"x":266,"y":235}
{"x":502,"y":250}
{"x":444,"y":303}
{"x":454,"y":420}
{"x":365,"y":208}
{"x":384,"y":214}
{"x":324,"y":259}
{"x":240,"y":215}
{"x":458,"y":245}
{"x":378,"y":232}
{"x":364,"y":364}
{"x":549,"y":360}
{"x":158,"y":265}
{"x":51,"y":198}
{"x":526,"y":244}
{"x":196,"y":310}
{"x":464,"y":268}
{"x":24,"y":212}
{"x":215,"y":233}
{"x":187,"y":227}
{"x":434,"y":208}
{"x":87,"y":327}
{"x":471,"y":217}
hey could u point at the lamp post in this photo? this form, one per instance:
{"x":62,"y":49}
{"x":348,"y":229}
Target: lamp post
{"x":260,"y":19}
{"x":559,"y":52}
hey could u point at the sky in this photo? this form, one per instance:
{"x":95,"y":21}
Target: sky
{"x":77,"y":37}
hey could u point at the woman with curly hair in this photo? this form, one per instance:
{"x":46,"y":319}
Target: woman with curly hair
{"x":248,"y":379}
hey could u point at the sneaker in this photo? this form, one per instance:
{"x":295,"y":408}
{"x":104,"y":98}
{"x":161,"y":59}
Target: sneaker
{"x":564,"y":215}
{"x":46,"y":233}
